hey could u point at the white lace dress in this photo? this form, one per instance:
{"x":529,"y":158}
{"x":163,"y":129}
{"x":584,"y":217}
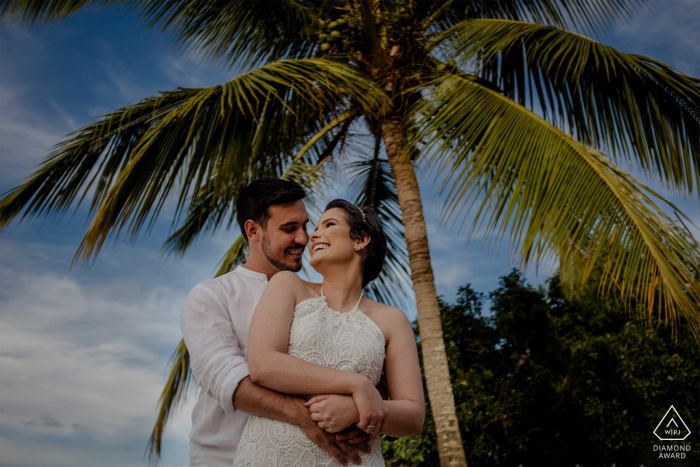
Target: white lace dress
{"x":348,"y":341}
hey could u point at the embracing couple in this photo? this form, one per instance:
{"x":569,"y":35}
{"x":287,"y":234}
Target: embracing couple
{"x":289,"y":369}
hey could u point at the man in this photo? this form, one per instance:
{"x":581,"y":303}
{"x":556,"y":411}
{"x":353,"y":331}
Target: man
{"x":215,"y":321}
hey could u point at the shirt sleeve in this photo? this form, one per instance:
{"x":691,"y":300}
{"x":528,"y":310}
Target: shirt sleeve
{"x":216,"y":359}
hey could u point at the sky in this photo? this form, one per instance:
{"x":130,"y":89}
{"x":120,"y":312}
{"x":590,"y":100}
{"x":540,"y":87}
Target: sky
{"x":84,"y":351}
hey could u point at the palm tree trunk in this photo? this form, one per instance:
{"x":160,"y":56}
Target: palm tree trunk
{"x":437,"y":373}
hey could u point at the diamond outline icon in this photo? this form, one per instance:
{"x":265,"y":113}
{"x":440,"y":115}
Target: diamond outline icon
{"x":679,"y":418}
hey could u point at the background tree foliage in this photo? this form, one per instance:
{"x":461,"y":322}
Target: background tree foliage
{"x":542,"y":380}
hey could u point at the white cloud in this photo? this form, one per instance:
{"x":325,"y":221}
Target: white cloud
{"x":83,"y":355}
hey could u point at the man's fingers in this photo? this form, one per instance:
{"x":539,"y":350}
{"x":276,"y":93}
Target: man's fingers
{"x":362,"y":446}
{"x":350,"y":452}
{"x":337,"y":454}
{"x":349,"y":433}
{"x":359,"y":438}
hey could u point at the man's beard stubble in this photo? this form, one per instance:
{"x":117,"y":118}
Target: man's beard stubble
{"x":275,"y":260}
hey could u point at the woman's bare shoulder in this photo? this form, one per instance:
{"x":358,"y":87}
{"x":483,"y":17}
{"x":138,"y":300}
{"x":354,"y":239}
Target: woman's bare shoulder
{"x":286,"y":278}
{"x":386,"y":314}
{"x":287,"y":282}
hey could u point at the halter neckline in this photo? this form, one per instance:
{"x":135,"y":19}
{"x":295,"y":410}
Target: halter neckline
{"x":356,"y":306}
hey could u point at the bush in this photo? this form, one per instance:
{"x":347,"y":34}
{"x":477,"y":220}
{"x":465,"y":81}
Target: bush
{"x":546,"y":380}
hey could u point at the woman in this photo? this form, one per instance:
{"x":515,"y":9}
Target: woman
{"x":308,"y":338}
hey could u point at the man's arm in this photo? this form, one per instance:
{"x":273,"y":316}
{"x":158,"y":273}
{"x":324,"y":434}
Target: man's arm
{"x":257,"y":400}
{"x":216,"y":359}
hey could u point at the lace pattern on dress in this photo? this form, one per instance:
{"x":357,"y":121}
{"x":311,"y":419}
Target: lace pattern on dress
{"x":349,"y":341}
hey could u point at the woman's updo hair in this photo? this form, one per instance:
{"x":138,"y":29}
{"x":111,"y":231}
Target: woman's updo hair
{"x":370,"y":225}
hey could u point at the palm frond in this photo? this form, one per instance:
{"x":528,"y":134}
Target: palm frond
{"x":231,"y":30}
{"x":373,"y":181}
{"x":585,"y":15}
{"x":235,"y":30}
{"x":556,"y":196}
{"x":174,"y":394}
{"x":211,"y":139}
{"x":629,"y":105}
{"x":32,"y":12}
{"x":344,"y":119}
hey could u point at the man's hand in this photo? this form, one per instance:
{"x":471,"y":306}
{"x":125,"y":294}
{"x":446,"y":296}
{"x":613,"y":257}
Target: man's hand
{"x":333,"y":412}
{"x":356,"y":437}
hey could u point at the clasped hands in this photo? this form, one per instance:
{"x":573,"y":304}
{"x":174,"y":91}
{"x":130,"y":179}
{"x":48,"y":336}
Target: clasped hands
{"x":365,"y":409}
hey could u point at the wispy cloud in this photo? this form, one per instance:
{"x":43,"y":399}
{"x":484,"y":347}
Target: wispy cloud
{"x":184,"y":70}
{"x":26,"y":136}
{"x":83,"y":357}
{"x":667,"y":30}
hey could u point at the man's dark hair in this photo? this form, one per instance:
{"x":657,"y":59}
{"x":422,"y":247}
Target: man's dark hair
{"x":254,"y":200}
{"x":370,"y":225}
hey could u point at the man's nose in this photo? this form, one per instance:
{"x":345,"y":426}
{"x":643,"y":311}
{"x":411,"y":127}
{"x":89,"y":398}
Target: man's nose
{"x":302,"y":237}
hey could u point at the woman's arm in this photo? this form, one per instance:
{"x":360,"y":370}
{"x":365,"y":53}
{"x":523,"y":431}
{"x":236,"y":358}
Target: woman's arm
{"x":402,"y":370}
{"x":270,"y":366}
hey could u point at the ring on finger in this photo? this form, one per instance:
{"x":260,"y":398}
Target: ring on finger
{"x":320,"y":425}
{"x":371,"y":427}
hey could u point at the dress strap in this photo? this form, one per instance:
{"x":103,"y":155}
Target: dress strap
{"x":322,"y":292}
{"x":358,"y":302}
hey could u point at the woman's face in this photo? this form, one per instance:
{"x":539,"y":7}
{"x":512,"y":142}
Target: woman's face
{"x":331,"y":242}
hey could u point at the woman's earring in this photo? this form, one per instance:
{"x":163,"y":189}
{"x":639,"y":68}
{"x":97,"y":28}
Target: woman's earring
{"x":359,"y":247}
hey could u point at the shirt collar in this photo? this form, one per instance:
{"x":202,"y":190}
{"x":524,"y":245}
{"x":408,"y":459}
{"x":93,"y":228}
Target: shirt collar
{"x":252,"y":274}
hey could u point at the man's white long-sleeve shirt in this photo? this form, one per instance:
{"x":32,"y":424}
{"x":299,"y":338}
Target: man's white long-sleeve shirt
{"x":215,"y":322}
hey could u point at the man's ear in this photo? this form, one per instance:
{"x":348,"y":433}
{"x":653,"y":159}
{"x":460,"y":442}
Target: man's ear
{"x":252,"y":230}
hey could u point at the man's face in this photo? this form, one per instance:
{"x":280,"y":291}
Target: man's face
{"x":285,"y":237}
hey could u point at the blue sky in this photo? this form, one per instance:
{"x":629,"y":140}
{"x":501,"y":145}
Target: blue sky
{"x":83,"y":352}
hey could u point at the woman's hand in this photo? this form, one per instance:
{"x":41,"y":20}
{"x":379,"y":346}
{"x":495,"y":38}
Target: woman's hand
{"x":373,"y":412}
{"x":333,"y":412}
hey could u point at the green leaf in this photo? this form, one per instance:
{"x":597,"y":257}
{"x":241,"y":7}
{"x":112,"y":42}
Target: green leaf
{"x":174,"y":394}
{"x":32,"y":12}
{"x":633,"y":106}
{"x":236,"y":31}
{"x":554,"y":195}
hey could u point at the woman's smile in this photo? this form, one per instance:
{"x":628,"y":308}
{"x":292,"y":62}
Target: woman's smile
{"x":320,"y":246}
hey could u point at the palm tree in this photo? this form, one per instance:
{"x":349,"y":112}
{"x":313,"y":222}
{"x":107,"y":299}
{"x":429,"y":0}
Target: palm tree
{"x":507,"y":103}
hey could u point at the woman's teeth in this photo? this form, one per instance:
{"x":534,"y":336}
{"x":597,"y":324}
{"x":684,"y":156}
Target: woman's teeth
{"x":321,"y":246}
